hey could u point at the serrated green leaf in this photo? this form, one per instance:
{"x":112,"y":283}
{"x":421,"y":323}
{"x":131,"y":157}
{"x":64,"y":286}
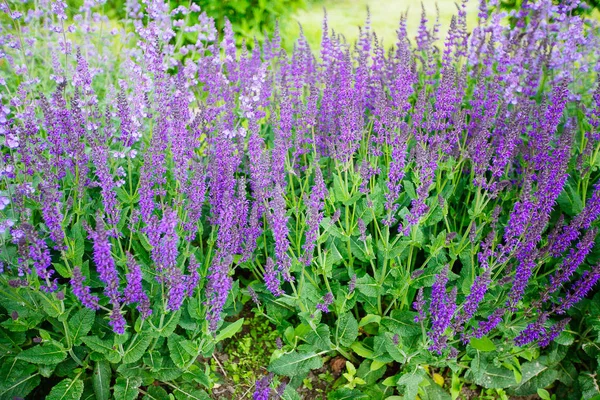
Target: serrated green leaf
{"x":230,"y":330}
{"x":50,"y":353}
{"x":368,"y":286}
{"x":295,"y":363}
{"x":170,"y":326}
{"x":67,"y":389}
{"x":156,"y":393}
{"x":97,"y":344}
{"x":127,"y":388}
{"x":346,"y":330}
{"x":137,"y":347}
{"x":80,"y":324}
{"x":320,"y":337}
{"x":178,"y":354}
{"x":411,"y":383}
{"x":401,"y":323}
{"x":187,"y":392}
{"x":101,"y":380}
{"x":17,"y":378}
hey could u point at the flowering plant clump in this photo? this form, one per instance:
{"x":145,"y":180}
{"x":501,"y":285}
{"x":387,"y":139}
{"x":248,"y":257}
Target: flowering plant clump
{"x":412,"y":208}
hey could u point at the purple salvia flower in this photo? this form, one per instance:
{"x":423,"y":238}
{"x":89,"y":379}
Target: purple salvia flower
{"x":419,"y":306}
{"x":134,"y":292}
{"x":105,"y":264}
{"x":314,"y":215}
{"x":82,"y":292}
{"x":219,"y":285}
{"x":579,"y":290}
{"x":107,"y":186}
{"x":193,"y":279}
{"x":325,"y":303}
{"x":116,"y":320}
{"x":553,"y":332}
{"x":271,"y":277}
{"x":263,"y":388}
{"x":352,"y":284}
{"x":395,"y":176}
{"x":441,"y":308}
{"x":280,"y":230}
{"x":534,"y":331}
{"x":570,"y":264}
{"x":493,"y":320}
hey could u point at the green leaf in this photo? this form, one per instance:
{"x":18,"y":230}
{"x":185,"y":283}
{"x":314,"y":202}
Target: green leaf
{"x":17,"y":378}
{"x":187,"y":392}
{"x":482,"y":344}
{"x":97,"y":344}
{"x":170,"y":326}
{"x":67,"y":389}
{"x":488,"y":375}
{"x":544,"y":394}
{"x":50,"y":353}
{"x":295,"y":363}
{"x":368,"y":286}
{"x":230,"y":330}
{"x":569,"y":200}
{"x":101,"y":380}
{"x":156,"y":393}
{"x":411,"y":384}
{"x":80,"y":324}
{"x":127,"y":388}
{"x":50,"y":306}
{"x":536,"y":375}
{"x":153,"y":360}
{"x":401,"y":323}
{"x":137,"y":347}
{"x":369,"y":319}
{"x":346,"y":330}
{"x":320,"y":338}
{"x":361,"y":350}
{"x":178,"y":354}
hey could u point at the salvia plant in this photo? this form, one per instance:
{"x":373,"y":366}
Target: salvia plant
{"x":422,"y":206}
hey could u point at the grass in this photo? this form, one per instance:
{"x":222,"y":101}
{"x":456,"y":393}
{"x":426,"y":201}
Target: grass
{"x":345,"y":16}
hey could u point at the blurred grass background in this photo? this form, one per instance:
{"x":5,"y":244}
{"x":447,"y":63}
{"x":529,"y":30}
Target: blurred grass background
{"x":345,"y":16}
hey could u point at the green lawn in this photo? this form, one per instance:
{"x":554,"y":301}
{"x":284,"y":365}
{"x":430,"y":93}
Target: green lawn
{"x":345,"y":16}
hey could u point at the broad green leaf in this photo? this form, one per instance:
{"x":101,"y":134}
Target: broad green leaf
{"x":137,"y":347}
{"x":230,"y":330}
{"x":482,"y":344}
{"x":536,"y":376}
{"x":188,"y":392}
{"x":67,"y":389}
{"x":368,"y":286}
{"x":17,"y":378}
{"x":153,"y":359}
{"x":490,"y":376}
{"x":411,"y":383}
{"x":80,"y":324}
{"x":369,"y":319}
{"x":50,"y":353}
{"x":320,"y":338}
{"x":295,"y":363}
{"x":101,"y":380}
{"x":156,"y":393}
{"x":590,"y":385}
{"x":127,"y":388}
{"x":171,"y":324}
{"x":346,"y":330}
{"x":401,"y":323}
{"x":97,"y":344}
{"x":178,"y":354}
